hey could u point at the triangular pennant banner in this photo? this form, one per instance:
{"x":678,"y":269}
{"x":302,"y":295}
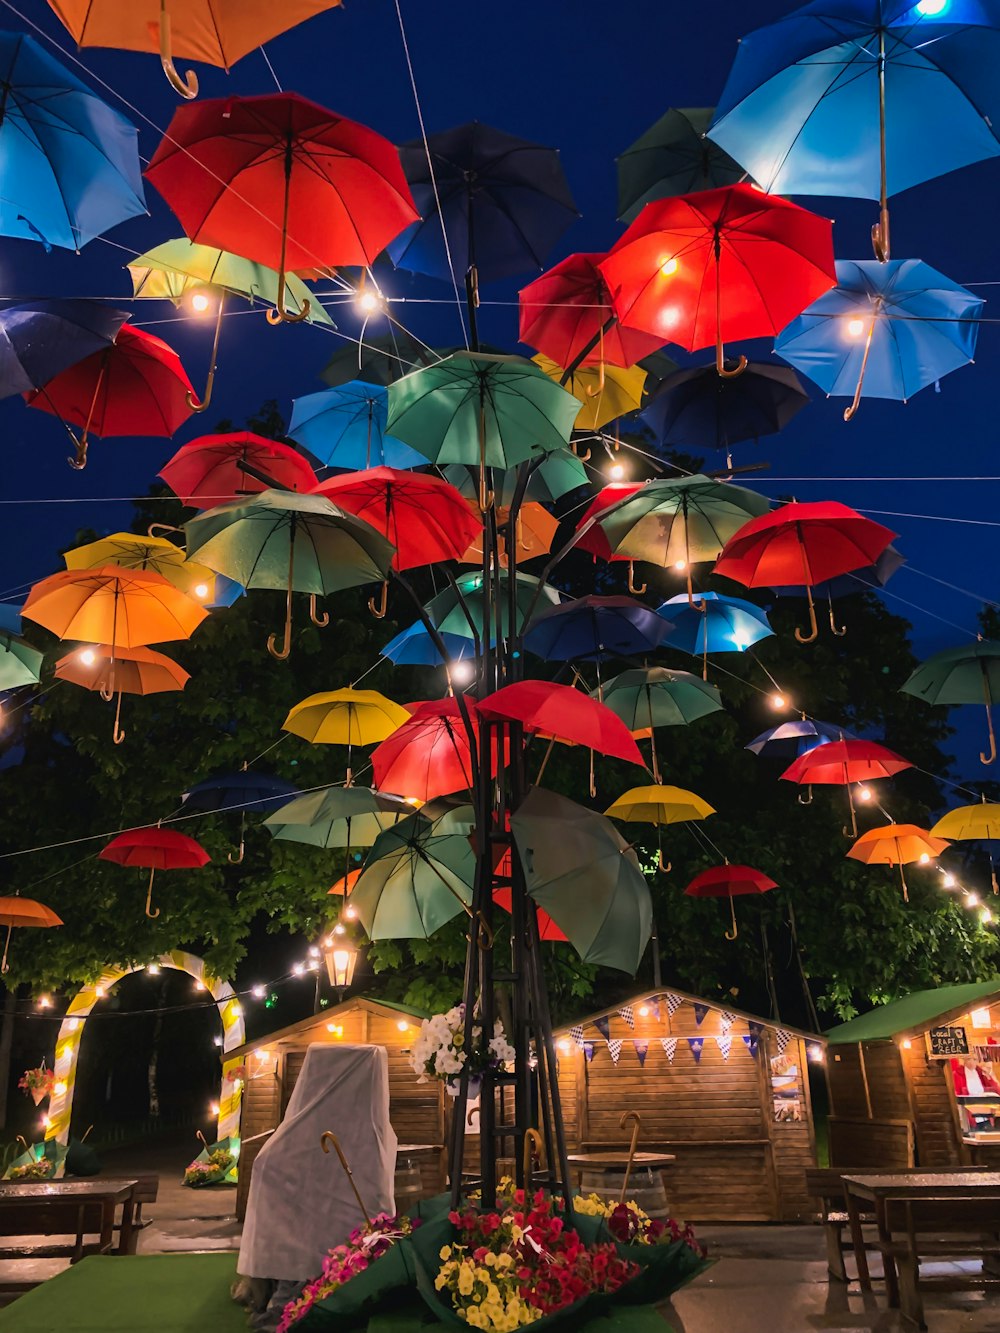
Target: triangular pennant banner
{"x":603,"y":1026}
{"x":781,"y":1039}
{"x":588,"y":1050}
{"x":725,"y":1044}
{"x":655,"y":1006}
{"x":627,"y":1014}
{"x":727,"y":1020}
{"x":756,"y":1029}
{"x":669,"y":1045}
{"x":750,"y":1042}
{"x":674,"y":1002}
{"x":614,"y":1050}
{"x":700,"y":1010}
{"x":697,"y":1044}
{"x":577,"y":1035}
{"x":641,"y":1049}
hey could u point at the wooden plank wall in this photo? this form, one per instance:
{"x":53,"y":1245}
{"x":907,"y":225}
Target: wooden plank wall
{"x":932,"y":1108}
{"x":793,"y":1142}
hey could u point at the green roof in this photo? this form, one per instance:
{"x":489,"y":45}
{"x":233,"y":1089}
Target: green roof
{"x":394,"y":1004}
{"x":914,"y":1012}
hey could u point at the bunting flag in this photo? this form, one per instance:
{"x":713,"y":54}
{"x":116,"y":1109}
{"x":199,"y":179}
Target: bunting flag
{"x":626,"y":1013}
{"x":603,"y":1026}
{"x":725,"y":1044}
{"x":669,"y":1045}
{"x":577,"y":1035}
{"x":674,"y":1002}
{"x":655,"y":1006}
{"x":727,"y":1020}
{"x":781,"y":1039}
{"x":588,"y":1051}
{"x":697,"y":1045}
{"x":750,"y":1042}
{"x":756,"y":1030}
{"x":614,"y":1050}
{"x":641,"y":1049}
{"x":700,"y":1010}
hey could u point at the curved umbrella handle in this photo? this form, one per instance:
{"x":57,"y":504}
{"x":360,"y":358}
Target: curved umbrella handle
{"x":806,"y":800}
{"x":117,"y":732}
{"x":187,"y":87}
{"x":634,"y":1118}
{"x":584,"y":458}
{"x":988,"y":757}
{"x":151,"y":911}
{"x":720,"y":364}
{"x":381,"y":607}
{"x":813,"y":625}
{"x":856,"y":400}
{"x":484,"y":934}
{"x":193,"y":403}
{"x":237,"y":860}
{"x":880,"y":236}
{"x":731,"y":934}
{"x":286,"y":646}
{"x":664,"y":866}
{"x":201,"y":1138}
{"x":720,"y":359}
{"x":532,"y":1147}
{"x":851,"y":832}
{"x":318,"y":618}
{"x":329,"y":1137}
{"x":281,"y":314}
{"x":838,"y":633}
{"x":591,"y":391}
{"x":636,"y":589}
{"x":701,"y":606}
{"x":4,"y":965}
{"x":473,"y":1110}
{"x":107,"y":689}
{"x":79,"y":461}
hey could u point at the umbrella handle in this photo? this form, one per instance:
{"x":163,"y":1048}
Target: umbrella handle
{"x":636,"y":589}
{"x":107,"y":690}
{"x":664,"y":866}
{"x":633,"y":1118}
{"x":989,"y":756}
{"x":851,"y":832}
{"x":5,"y":966}
{"x":319,"y":618}
{"x":151,"y":911}
{"x":806,"y":800}
{"x":193,"y":403}
{"x":484,"y":934}
{"x":187,"y":87}
{"x":473,"y":1110}
{"x":701,"y":606}
{"x":117,"y":732}
{"x":328,"y":1137}
{"x":533,"y":1146}
{"x":856,"y":401}
{"x":902,"y":880}
{"x":731,"y":934}
{"x":237,"y":860}
{"x":381,"y":607}
{"x":591,"y":391}
{"x":593,"y":780}
{"x":880,"y":236}
{"x":80,"y":461}
{"x":839,"y":633}
{"x":720,"y":359}
{"x":813,"y":626}
{"x":584,"y":458}
{"x":280,"y":314}
{"x":201,"y":1137}
{"x":283,"y":652}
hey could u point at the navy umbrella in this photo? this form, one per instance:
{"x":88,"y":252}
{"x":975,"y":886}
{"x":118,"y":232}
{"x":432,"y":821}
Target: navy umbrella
{"x":38,"y":339}
{"x":858,"y":580}
{"x":672,"y":157}
{"x":700,"y":408}
{"x":241,"y":791}
{"x":595,"y":628}
{"x":788,"y":740}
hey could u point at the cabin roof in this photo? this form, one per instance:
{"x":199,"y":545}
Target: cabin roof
{"x":298,"y":1029}
{"x":914,"y":1013}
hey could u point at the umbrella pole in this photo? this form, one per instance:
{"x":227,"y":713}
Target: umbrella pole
{"x":368,"y":441}
{"x":117,"y":734}
{"x":664,"y":866}
{"x":593,"y":782}
{"x":880,"y":230}
{"x":80,"y":461}
{"x":988,"y":758}
{"x":720,"y":359}
{"x":485,"y":494}
{"x":280,"y":314}
{"x":813,"y":625}
{"x":4,"y":966}
{"x":731,"y":934}
{"x":856,"y":401}
{"x":151,"y":911}
{"x":541,"y":771}
{"x":902,"y":880}
{"x":851,"y":832}
{"x":701,"y":606}
{"x":286,"y":646}
{"x":206,"y":397}
{"x":186,"y":86}
{"x":652,"y":736}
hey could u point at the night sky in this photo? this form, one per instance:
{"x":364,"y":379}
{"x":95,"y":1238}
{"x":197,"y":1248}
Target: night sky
{"x":587,"y":78}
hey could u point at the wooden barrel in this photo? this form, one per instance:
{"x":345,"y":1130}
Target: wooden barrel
{"x":645,"y":1188}
{"x":408,"y":1187}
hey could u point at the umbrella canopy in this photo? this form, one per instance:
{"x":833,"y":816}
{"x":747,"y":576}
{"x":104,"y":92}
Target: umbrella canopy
{"x":71,"y":164}
{"x":788,"y":740}
{"x":968,"y":674}
{"x":501,"y":202}
{"x":716,"y":624}
{"x":337,"y":817}
{"x":729,"y":881}
{"x":672,"y":157}
{"x":548,"y":931}
{"x":897,"y":845}
{"x":595,"y":628}
{"x":418,"y":876}
{"x":564,"y":713}
{"x":451,"y":612}
{"x":605,"y":392}
{"x":580,"y":870}
{"x":122,"y":670}
{"x":658,"y":697}
{"x":345,"y":717}
{"x":885,"y":331}
{"x":206,"y":471}
{"x":378,"y":360}
{"x":970,"y":823}
{"x":344,"y":427}
{"x":727,"y":263}
{"x":534,"y":532}
{"x":157,"y":555}
{"x":118,"y":607}
{"x":18,"y":911}
{"x":20,"y":664}
{"x":559,"y":473}
{"x":40,"y":339}
{"x":842,"y":762}
{"x":429,"y":754}
{"x":593,"y":539}
{"x":155,"y":848}
{"x":697,"y":407}
{"x":413,"y":646}
{"x":244,"y":790}
{"x":858,"y":580}
{"x":659,"y":805}
{"x":563,"y":314}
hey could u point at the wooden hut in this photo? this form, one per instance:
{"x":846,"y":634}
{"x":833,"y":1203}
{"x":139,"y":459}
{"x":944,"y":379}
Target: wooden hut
{"x":273,"y":1063}
{"x":914,"y":1083}
{"x":725,"y":1092}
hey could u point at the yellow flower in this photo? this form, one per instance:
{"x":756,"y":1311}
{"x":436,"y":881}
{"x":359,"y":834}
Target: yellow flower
{"x":445,"y":1252}
{"x":490,"y":1260}
{"x":465,"y":1280}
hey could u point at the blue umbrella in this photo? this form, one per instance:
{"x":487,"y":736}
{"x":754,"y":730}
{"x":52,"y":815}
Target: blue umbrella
{"x":715,"y":624}
{"x":241,"y":791}
{"x":698,"y":407}
{"x":70,"y":163}
{"x":593,"y":629}
{"x":10,"y":618}
{"x":413,"y":646}
{"x":225,"y":593}
{"x":864,"y":98}
{"x":38,"y":339}
{"x":345,"y":428}
{"x":885,"y":331}
{"x":788,"y":740}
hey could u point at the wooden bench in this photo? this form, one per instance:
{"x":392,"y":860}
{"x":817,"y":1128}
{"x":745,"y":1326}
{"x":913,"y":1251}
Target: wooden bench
{"x":146,"y":1190}
{"x":945,"y":1228}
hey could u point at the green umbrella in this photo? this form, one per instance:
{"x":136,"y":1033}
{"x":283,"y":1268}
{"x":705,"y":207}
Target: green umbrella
{"x":965,"y":675}
{"x":337,"y":817}
{"x":673,"y":157}
{"x":658,"y":697}
{"x":582,"y":872}
{"x":19,"y":662}
{"x":383,"y":359}
{"x":418,"y":876}
{"x":678,"y":522}
{"x":279,"y":539}
{"x":556,"y":475}
{"x":216,"y":1164}
{"x":451,"y":611}
{"x":488,"y":411}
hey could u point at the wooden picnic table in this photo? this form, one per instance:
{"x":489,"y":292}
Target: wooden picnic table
{"x":881,"y":1190}
{"x":35,"y":1198}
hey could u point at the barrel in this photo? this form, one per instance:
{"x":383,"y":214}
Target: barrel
{"x":407,"y":1187}
{"x":645,"y":1188}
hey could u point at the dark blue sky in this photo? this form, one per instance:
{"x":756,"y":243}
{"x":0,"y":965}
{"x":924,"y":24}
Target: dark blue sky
{"x":587,"y":78}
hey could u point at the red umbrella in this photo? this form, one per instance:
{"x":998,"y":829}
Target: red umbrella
{"x":429,"y":755}
{"x":565,"y":311}
{"x":842,"y":763}
{"x":594,"y":540}
{"x":206,"y":471}
{"x":727,"y":263}
{"x":803,"y":544}
{"x":547,"y":928}
{"x":728,"y":881}
{"x":134,"y":386}
{"x":282,"y":181}
{"x":565,"y":714}
{"x":159,"y":849}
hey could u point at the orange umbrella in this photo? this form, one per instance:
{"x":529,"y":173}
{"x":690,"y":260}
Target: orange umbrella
{"x":220,"y":32}
{"x":115,"y":606}
{"x":897,"y":845}
{"x":535,"y":531}
{"x":121,"y":671}
{"x":17,"y":911}
{"x":346,"y":883}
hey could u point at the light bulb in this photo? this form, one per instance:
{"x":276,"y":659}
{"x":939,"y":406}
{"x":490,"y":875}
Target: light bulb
{"x":563,"y":1046}
{"x":201,"y":591}
{"x":153,"y":969}
{"x":313,"y":964}
{"x":864,"y":794}
{"x":930,"y":9}
{"x":313,"y":951}
{"x":402,"y":1025}
{"x":368,"y":302}
{"x":200,"y":303}
{"x":216,"y":1040}
{"x":258,"y":992}
{"x":668,"y":267}
{"x":99,"y":992}
{"x":777,"y":701}
{"x":59,"y":1089}
{"x":949,"y":881}
{"x":855,"y":328}
{"x":680,"y":566}
{"x":616,"y":471}
{"x":643,"y":1010}
{"x":88,"y":657}
{"x":351,"y":913}
{"x":298,"y":969}
{"x":46,"y":1122}
{"x":924,"y":858}
{"x":986,"y":916}
{"x":906,"y":1043}
{"x":461,"y":672}
{"x":44,"y":1002}
{"x":214,"y":1108}
{"x":972,"y":900}
{"x":338,"y":929}
{"x":199,"y":985}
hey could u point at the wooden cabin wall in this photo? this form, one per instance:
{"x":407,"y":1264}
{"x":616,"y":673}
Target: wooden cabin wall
{"x":793,"y":1142}
{"x":871,"y":1122}
{"x":939,"y":1142}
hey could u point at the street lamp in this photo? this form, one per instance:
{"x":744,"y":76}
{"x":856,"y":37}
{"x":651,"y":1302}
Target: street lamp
{"x":340,"y":955}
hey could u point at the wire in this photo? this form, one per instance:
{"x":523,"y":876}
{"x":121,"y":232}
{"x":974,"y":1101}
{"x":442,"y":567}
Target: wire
{"x":267,"y":61}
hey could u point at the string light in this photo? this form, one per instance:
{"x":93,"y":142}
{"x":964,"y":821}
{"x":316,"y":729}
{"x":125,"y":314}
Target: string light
{"x":925,"y":858}
{"x":200,"y":591}
{"x":403,"y":1025}
{"x":200,"y":303}
{"x":298,"y":969}
{"x":972,"y":900}
{"x":778,"y":701}
{"x":313,"y":951}
{"x":617,"y":471}
{"x":668,"y":267}
{"x":153,"y":969}
{"x":461,"y":673}
{"x":949,"y":881}
{"x":199,"y":985}
{"x":680,"y":566}
{"x":214,"y":1108}
{"x":351,"y":912}
{"x":643,"y":1010}
{"x":44,"y":1002}
{"x":986,"y":916}
{"x":87,"y":656}
{"x":59,"y":1089}
{"x":855,"y":327}
{"x":216,"y":1040}
{"x":368,"y":302}
{"x":258,"y":992}
{"x":864,"y":793}
{"x":563,"y":1046}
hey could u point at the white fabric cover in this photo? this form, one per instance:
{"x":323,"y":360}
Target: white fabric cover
{"x":301,"y":1203}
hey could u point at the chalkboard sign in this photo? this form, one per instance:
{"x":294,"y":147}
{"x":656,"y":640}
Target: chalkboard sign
{"x":949,"y":1041}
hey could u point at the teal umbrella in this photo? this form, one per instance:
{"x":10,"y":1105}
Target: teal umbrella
{"x":418,"y":876}
{"x":966,"y":675}
{"x":658,"y":697}
{"x":451,"y":612}
{"x":672,"y":157}
{"x":556,"y":475}
{"x":19,"y":662}
{"x":337,"y":817}
{"x":301,"y":543}
{"x":582,"y":872}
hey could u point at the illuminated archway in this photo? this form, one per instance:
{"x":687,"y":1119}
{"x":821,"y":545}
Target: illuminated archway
{"x":71,"y":1034}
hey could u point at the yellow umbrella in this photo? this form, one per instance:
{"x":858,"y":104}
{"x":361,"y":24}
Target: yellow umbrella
{"x":128,"y":550}
{"x":897,"y":845}
{"x":972,"y":823}
{"x":121,"y":671}
{"x":122,"y":608}
{"x":606,"y":392}
{"x":346,"y":717}
{"x":659,"y":805}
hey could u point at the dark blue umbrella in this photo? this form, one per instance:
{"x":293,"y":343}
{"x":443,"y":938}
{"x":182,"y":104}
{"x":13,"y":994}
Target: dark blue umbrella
{"x":790,"y":739}
{"x":70,"y":163}
{"x":504,"y":202}
{"x":595,"y":628}
{"x":225,"y":593}
{"x":344,"y":427}
{"x":413,"y":646}
{"x":10,"y":618}
{"x":858,"y":580}
{"x":696,"y":408}
{"x":242,"y":791}
{"x":672,"y":157}
{"x":38,"y":339}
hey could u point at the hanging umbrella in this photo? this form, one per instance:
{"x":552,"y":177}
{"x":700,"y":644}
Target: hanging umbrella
{"x":862,"y":100}
{"x":858,"y":580}
{"x":841,"y":763}
{"x":717,"y":624}
{"x":344,"y":427}
{"x":672,"y":157}
{"x":591,"y":537}
{"x":243,"y":791}
{"x":464,"y":610}
{"x":972,"y":823}
{"x":10,"y":618}
{"x":306,"y":188}
{"x":343,"y":886}
{"x":428,"y":755}
{"x":605,"y":392}
{"x":134,"y":386}
{"x":345,"y":717}
{"x":565,"y":714}
{"x":156,"y":849}
{"x":595,"y":628}
{"x":71,"y":164}
{"x":680,"y":522}
{"x":20,"y":664}
{"x":802,"y":543}
{"x":885,"y":331}
{"x":116,"y":671}
{"x":563,"y":314}
{"x":557,"y":474}
{"x":301,"y":543}
{"x":897,"y":845}
{"x":18,"y":911}
{"x":534,"y":532}
{"x":206,"y":471}
{"x":414,"y":646}
{"x":378,"y":360}
{"x":967,"y":674}
{"x":40,"y":339}
{"x":501,"y":202}
{"x":417,"y":877}
{"x":157,"y":555}
{"x":727,"y":263}
{"x":659,"y":805}
{"x":548,"y":931}
{"x":651,"y":697}
{"x":119,"y":607}
{"x":337,"y":817}
{"x":582,"y":872}
{"x":788,"y":740}
{"x":697,"y":407}
{"x":729,"y":881}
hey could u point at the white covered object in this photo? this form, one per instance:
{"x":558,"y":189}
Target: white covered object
{"x":301,"y":1203}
